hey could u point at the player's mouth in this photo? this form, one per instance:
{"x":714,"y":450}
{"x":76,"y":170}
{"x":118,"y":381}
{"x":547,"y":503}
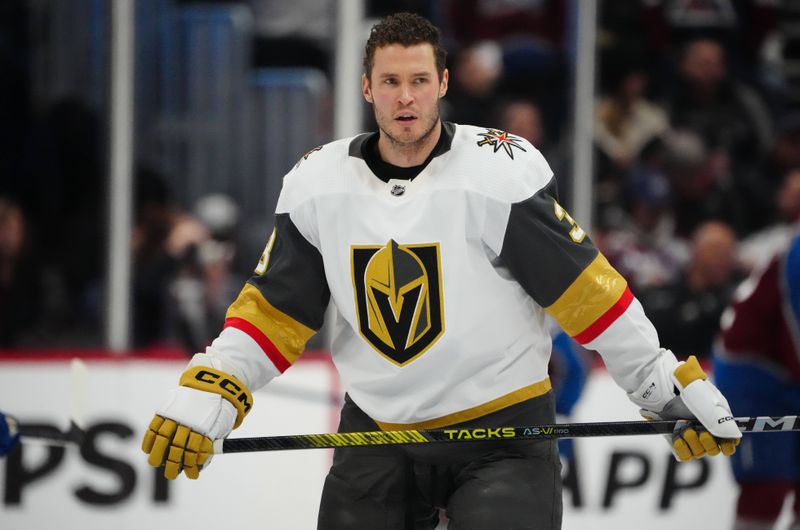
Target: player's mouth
{"x":405,"y":118}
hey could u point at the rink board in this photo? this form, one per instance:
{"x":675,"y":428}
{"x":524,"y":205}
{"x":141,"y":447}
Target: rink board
{"x":109,"y":485}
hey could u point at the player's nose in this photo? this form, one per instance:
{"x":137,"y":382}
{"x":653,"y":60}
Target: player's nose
{"x":405,"y":96}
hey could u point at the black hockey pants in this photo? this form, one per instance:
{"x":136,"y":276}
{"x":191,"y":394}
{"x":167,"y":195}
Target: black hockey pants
{"x":504,"y":485}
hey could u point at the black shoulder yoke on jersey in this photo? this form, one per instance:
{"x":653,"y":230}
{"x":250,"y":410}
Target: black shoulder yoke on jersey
{"x":365,"y":146}
{"x":538,"y":248}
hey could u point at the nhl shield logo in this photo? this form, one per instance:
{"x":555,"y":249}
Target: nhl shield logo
{"x":398,"y":296}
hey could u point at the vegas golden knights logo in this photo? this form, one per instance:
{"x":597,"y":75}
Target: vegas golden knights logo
{"x":398,"y":298}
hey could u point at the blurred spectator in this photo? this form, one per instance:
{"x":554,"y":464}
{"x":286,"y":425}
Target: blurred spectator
{"x":782,"y":158}
{"x":20,"y":278}
{"x":523,"y":117}
{"x":538,"y":26}
{"x":183,"y":266}
{"x":297,"y":33}
{"x":625,"y":120}
{"x":784,"y":151}
{"x":758,"y":248}
{"x":153,"y":267}
{"x":627,"y":26}
{"x":640,"y":239}
{"x":701,"y":184}
{"x":729,"y":117}
{"x":709,"y":101}
{"x":205,"y":284}
{"x":740,"y":26}
{"x":758,"y":368}
{"x":531,"y":38}
{"x":66,"y":210}
{"x":164,"y":246}
{"x":686,"y":312}
{"x":221,"y":282}
{"x":744,"y":28}
{"x":474,"y":77}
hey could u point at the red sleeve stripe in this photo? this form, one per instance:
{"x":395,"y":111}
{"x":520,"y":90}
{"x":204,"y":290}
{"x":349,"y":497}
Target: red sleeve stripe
{"x":606,"y":319}
{"x":262,"y":340}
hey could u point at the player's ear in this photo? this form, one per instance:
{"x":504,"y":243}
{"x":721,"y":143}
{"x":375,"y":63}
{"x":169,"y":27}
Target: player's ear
{"x":443,"y":83}
{"x":366,"y":90}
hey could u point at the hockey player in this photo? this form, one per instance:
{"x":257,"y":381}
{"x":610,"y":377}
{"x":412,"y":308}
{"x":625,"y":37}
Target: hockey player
{"x":758,"y":367}
{"x":441,"y":247}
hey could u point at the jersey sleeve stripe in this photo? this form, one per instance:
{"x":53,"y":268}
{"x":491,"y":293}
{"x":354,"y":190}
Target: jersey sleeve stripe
{"x":287,"y":336}
{"x":262,"y":340}
{"x":586,"y":305}
{"x":608,"y":318}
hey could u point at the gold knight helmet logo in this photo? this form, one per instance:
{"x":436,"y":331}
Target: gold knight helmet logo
{"x":398,"y":297}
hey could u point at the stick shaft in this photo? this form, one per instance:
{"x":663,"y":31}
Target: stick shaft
{"x":78,"y":380}
{"x":47,"y":434}
{"x":455,"y":435}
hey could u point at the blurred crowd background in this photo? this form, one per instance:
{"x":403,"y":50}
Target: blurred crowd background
{"x":696,"y":137}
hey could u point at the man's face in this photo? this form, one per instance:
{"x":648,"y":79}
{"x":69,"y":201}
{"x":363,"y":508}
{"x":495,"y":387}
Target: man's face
{"x":404,"y":89}
{"x":704,"y":64}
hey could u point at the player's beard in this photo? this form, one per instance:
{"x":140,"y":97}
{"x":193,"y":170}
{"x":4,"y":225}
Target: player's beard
{"x":411,"y":145}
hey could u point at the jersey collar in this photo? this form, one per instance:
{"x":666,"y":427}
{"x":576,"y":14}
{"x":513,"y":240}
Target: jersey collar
{"x":362,"y":146}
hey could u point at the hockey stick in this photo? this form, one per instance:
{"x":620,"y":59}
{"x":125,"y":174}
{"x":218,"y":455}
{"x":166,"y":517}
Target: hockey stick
{"x":533,"y":432}
{"x":49,"y":435}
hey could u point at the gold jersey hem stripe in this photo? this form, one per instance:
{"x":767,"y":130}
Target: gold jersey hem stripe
{"x":594,"y":291}
{"x":512,"y":398}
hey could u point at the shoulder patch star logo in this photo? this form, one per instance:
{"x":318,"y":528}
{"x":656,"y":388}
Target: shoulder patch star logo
{"x":500,"y":139}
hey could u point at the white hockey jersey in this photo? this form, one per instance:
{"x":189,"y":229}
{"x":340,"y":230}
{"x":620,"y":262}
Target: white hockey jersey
{"x":440,"y":284}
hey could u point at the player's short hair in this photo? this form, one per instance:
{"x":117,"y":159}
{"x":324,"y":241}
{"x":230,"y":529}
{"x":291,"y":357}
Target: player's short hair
{"x":406,"y":29}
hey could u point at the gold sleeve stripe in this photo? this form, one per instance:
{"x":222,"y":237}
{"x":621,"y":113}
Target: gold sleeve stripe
{"x":596,"y":290}
{"x":280,"y":336}
{"x":512,"y":398}
{"x":608,"y":318}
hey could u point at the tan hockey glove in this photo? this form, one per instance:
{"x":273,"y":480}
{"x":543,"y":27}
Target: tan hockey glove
{"x":207,"y":406}
{"x":681,"y":391}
